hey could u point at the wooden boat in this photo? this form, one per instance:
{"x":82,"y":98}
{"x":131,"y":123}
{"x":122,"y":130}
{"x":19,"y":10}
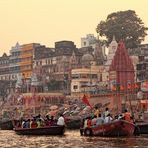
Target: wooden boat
{"x":51,"y":130}
{"x":6,"y":125}
{"x":141,"y":128}
{"x":116,"y":128}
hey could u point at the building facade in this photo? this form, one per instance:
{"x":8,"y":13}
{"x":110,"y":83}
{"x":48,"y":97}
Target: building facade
{"x":4,"y":67}
{"x":84,"y":80}
{"x":89,"y":40}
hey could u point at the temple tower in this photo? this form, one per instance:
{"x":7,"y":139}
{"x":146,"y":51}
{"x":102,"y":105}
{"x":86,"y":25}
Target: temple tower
{"x":123,"y":66}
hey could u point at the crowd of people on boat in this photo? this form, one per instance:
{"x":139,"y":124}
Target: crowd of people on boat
{"x":105,"y":117}
{"x":98,"y":118}
{"x":38,"y":122}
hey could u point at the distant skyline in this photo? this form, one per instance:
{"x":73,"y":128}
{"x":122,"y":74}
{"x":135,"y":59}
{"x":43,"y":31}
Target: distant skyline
{"x":49,"y":21}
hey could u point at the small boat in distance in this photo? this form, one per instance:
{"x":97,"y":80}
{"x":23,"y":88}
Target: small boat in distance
{"x":49,"y":130}
{"x":117,"y":128}
{"x":6,"y":124}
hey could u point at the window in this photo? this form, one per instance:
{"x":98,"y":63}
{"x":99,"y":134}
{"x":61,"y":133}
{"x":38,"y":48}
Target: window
{"x":75,"y":87}
{"x":84,"y":76}
{"x":84,"y":43}
{"x":94,"y":75}
{"x":75,"y":76}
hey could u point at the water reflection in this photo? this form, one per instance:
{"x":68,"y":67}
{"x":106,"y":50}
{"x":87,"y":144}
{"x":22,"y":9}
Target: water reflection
{"x":71,"y":139}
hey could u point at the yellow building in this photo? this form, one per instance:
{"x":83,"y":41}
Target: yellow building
{"x":26,"y":59}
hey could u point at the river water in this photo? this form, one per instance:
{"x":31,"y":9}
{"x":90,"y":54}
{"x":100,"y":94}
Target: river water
{"x":71,"y":139}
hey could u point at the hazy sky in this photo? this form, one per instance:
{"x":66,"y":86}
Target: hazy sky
{"x":48,"y":21}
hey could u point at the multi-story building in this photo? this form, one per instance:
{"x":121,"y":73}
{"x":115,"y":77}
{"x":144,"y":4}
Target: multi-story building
{"x":5,"y":78}
{"x":14,"y":66}
{"x":26,"y":59}
{"x":84,"y":80}
{"x":4,"y":67}
{"x":142,"y":49}
{"x":56,"y":63}
{"x":21,"y":60}
{"x":89,"y":40}
{"x":142,"y":69}
{"x":19,"y":63}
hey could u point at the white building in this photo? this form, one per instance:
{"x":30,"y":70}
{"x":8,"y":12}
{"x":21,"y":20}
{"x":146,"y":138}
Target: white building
{"x":112,"y":49}
{"x":111,"y":53}
{"x":84,"y":80}
{"x":89,"y":40}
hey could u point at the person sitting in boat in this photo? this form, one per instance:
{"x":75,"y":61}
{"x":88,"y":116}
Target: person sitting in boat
{"x":85,"y":122}
{"x":120,"y":117}
{"x":47,"y":117}
{"x":99,"y":120}
{"x":37,"y":117}
{"x":28,"y":123}
{"x":94,"y":120}
{"x":23,"y":124}
{"x":127,"y":116}
{"x":51,"y":121}
{"x":108,"y":119}
{"x":61,"y":121}
{"x":89,"y":122}
{"x":39,"y":124}
{"x":33,"y":123}
{"x":106,"y":112}
{"x":96,"y":112}
{"x":46,"y":120}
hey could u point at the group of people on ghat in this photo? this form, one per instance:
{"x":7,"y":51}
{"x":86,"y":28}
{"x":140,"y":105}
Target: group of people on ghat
{"x":38,"y":122}
{"x":106,"y":117}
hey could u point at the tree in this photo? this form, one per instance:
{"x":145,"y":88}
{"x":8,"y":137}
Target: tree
{"x":124,"y":25}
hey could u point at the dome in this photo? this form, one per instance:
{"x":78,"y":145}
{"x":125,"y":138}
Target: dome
{"x":87,"y":57}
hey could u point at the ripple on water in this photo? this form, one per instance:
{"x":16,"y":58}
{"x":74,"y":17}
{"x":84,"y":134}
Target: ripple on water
{"x":71,"y":139}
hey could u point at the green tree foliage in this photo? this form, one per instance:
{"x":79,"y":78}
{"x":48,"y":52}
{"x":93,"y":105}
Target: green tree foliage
{"x":124,"y":25}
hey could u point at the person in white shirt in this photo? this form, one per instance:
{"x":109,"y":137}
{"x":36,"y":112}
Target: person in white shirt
{"x":61,"y":121}
{"x":106,"y":112}
{"x":108,"y":119}
{"x":99,"y":121}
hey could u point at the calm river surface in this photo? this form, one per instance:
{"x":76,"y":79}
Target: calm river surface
{"x":71,"y":139}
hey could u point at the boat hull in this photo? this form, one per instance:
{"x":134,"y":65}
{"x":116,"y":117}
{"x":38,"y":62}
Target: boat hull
{"x":6,"y":125}
{"x":113,"y":129}
{"x":141,"y":128}
{"x":52,"y":130}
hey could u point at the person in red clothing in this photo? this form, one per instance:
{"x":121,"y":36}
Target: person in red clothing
{"x":33,"y":124}
{"x":89,"y":122}
{"x":51,"y":121}
{"x":127,"y":116}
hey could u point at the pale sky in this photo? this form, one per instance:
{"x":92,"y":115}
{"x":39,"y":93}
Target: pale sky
{"x":48,"y":21}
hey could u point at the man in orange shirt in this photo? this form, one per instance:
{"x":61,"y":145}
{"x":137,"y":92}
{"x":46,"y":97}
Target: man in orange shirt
{"x":127,"y":116}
